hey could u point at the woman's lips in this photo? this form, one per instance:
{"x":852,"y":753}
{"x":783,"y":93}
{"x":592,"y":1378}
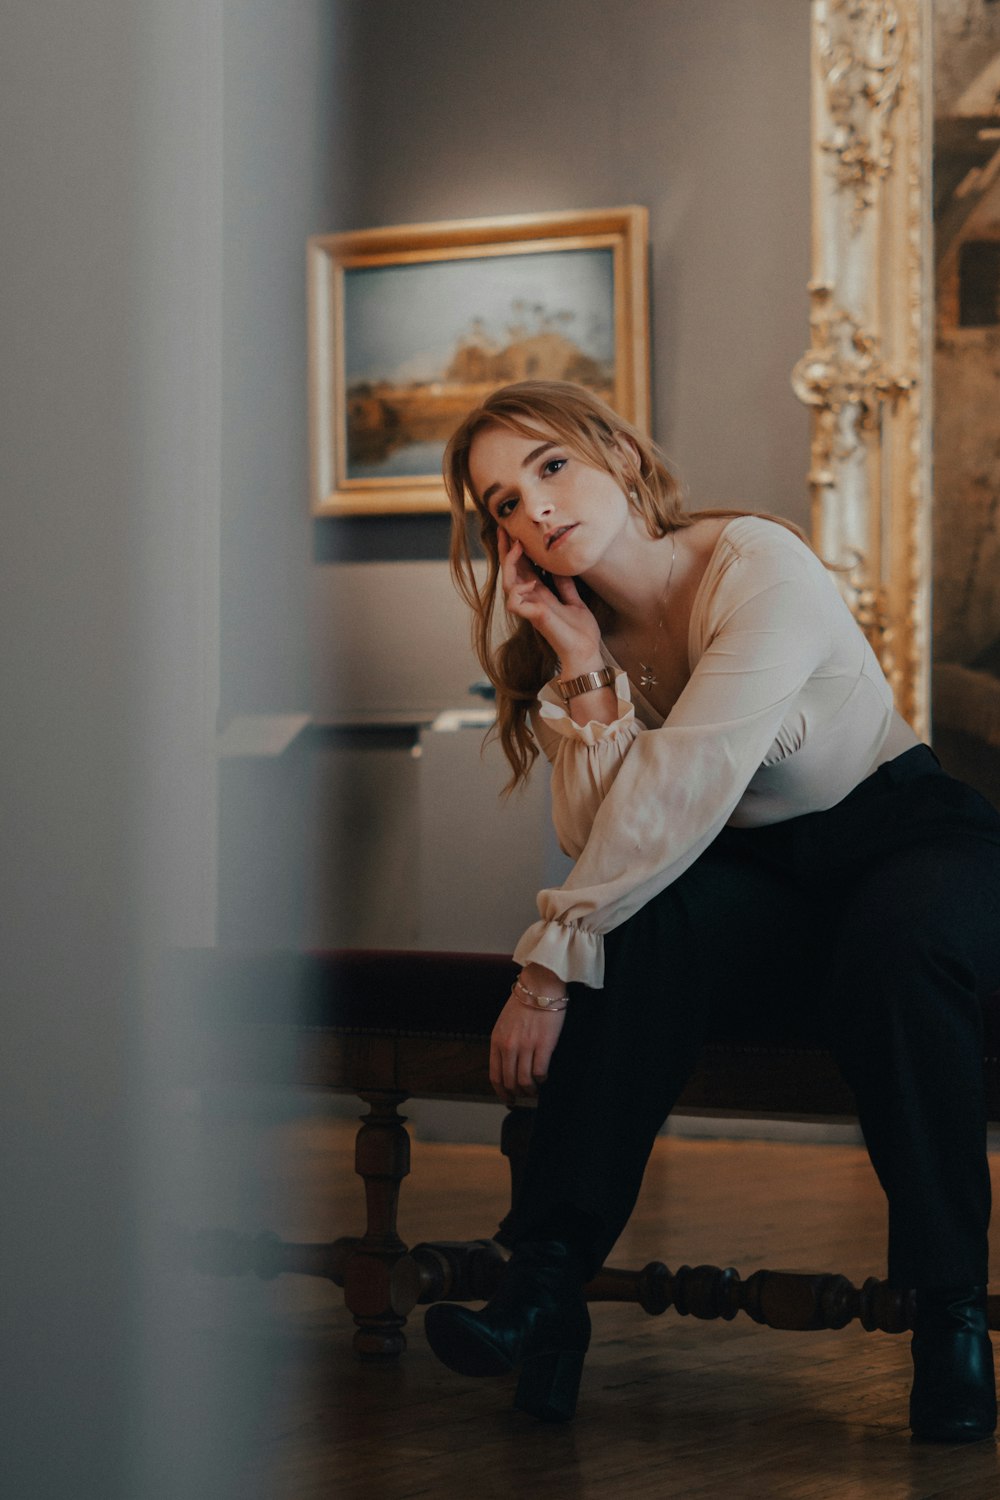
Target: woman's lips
{"x":560,"y":536}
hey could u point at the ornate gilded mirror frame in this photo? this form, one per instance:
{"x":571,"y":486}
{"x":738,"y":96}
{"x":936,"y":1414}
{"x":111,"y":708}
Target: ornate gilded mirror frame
{"x":866,"y":375}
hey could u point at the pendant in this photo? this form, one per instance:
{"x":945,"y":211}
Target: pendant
{"x":647,"y":676}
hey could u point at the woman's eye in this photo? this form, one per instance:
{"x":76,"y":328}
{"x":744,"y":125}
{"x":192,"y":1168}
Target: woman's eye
{"x":505,"y":507}
{"x":553,"y":465}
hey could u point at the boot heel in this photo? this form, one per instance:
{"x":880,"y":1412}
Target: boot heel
{"x":549,"y":1384}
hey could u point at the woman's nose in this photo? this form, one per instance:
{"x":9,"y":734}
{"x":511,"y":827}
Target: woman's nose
{"x":538,"y":506}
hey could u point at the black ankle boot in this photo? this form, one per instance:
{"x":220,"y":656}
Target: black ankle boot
{"x":537,"y":1321}
{"x":954,"y":1397}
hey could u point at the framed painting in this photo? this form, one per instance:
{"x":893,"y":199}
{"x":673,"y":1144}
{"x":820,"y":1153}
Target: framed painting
{"x":964,"y":88}
{"x":411,"y":327}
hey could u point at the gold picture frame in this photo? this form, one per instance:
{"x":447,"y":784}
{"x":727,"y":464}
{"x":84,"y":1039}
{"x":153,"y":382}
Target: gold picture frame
{"x":409,"y":327}
{"x":867,"y":373}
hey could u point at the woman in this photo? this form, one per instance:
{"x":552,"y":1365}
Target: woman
{"x":754,"y":827}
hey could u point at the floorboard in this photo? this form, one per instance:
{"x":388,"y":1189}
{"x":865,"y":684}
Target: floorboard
{"x":669,"y":1407}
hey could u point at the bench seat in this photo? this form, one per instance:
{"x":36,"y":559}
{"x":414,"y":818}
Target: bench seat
{"x":389,"y":1025}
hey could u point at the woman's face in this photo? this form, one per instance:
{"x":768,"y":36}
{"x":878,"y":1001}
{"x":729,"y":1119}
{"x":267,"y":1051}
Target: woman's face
{"x":564,"y":513}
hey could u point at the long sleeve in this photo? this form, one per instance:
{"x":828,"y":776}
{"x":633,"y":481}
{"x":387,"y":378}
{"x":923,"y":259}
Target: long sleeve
{"x":585,"y":760}
{"x":675,"y":787}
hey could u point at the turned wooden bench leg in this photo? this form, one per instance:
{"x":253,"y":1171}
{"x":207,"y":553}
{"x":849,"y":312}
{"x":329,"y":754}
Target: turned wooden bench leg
{"x":381,"y":1281}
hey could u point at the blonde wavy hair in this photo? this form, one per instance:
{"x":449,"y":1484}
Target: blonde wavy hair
{"x":522,"y":662}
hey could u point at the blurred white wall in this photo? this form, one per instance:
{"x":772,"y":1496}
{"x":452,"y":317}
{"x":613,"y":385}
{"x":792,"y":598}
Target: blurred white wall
{"x":162,"y":166}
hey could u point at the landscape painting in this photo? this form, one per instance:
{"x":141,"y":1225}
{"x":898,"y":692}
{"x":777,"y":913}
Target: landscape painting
{"x":425,"y":343}
{"x":411,"y":328}
{"x":965,"y":685}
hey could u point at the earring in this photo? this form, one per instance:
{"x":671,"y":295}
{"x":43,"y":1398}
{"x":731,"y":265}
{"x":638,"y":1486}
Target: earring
{"x":633,"y":495}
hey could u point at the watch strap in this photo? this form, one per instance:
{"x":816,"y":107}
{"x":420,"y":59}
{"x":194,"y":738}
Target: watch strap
{"x":587,"y":682}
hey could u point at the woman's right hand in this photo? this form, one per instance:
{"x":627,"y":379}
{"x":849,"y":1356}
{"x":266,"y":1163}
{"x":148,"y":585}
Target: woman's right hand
{"x":521,"y":1047}
{"x":561,"y":618}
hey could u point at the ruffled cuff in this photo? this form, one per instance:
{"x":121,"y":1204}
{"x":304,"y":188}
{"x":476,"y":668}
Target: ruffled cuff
{"x":572,"y":952}
{"x":557,"y":717}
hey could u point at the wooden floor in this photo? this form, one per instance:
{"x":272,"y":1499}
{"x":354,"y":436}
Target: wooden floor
{"x":668,"y":1406}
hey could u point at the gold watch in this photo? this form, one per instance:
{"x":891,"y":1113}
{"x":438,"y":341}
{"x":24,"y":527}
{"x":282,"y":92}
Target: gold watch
{"x":588,"y":682}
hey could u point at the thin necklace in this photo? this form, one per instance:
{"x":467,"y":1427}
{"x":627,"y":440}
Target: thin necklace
{"x":647,"y":671}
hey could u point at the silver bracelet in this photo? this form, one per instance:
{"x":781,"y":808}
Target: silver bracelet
{"x":540,"y":1002}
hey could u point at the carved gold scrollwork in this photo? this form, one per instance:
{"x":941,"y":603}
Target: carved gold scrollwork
{"x":870,"y":606}
{"x":861,"y":46}
{"x":843,"y":367}
{"x":865,"y":373}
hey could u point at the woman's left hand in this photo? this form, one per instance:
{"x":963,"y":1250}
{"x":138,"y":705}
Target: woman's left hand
{"x":524,"y":1039}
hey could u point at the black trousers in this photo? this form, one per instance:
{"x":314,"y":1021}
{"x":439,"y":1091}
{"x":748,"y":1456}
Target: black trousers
{"x":873,"y":928}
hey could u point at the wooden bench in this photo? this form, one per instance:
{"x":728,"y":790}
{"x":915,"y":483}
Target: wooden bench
{"x":387,"y":1026}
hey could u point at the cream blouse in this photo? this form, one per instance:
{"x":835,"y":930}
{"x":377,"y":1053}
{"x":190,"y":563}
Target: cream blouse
{"x":785,"y":712}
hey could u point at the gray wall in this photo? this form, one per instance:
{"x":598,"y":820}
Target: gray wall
{"x":462,"y":108}
{"x":465,"y":108}
{"x":700,"y":111}
{"x":283,"y":172}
